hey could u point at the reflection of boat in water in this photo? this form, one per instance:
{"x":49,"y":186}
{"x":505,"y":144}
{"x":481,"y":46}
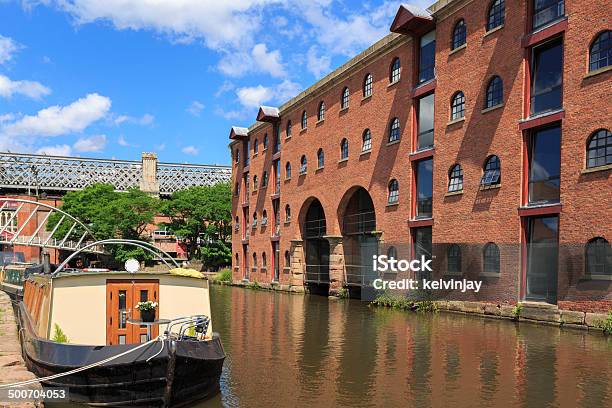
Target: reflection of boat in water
{"x":73,"y":320}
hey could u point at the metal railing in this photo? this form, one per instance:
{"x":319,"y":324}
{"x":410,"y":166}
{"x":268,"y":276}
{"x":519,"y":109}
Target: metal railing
{"x":359,"y":222}
{"x":316,"y":274}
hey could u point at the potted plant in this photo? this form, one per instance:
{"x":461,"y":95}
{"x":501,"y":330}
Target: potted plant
{"x":147,"y":310}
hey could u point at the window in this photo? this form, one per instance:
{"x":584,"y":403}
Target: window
{"x":344,"y":101}
{"x":321,"y":112}
{"x":366,"y":144}
{"x":256,"y":146}
{"x":453,"y":259}
{"x":237,"y":189}
{"x":547,"y":11}
{"x":237,"y":156}
{"x":264,"y":218}
{"x":255,"y":182}
{"x":425,"y":139}
{"x":320,"y":159}
{"x":287,"y":213}
{"x":237,"y":260}
{"x":547,"y":77}
{"x":392,"y":252}
{"x":393,"y":192}
{"x":288,"y":170}
{"x":600,"y":53}
{"x":459,"y":34}
{"x":237,"y":224}
{"x":598,"y":257}
{"x":455,"y":179}
{"x":496,"y":14}
{"x":490,"y":255}
{"x":254,"y":260}
{"x":265,"y":142}
{"x":287,"y":260}
{"x":254,"y":223}
{"x":599,"y":149}
{"x":495,"y":92}
{"x":303,"y":165}
{"x":458,"y":106}
{"x":264,"y":261}
{"x":394,"y":130}
{"x":427,"y":57}
{"x":492,"y":172}
{"x":276,"y":138}
{"x":264,"y":179}
{"x":288,"y":130}
{"x":424,"y":180}
{"x":367,"y":85}
{"x":394,"y":73}
{"x":247,"y":156}
{"x":304,"y":120}
{"x":545,"y":166}
{"x":344,"y":149}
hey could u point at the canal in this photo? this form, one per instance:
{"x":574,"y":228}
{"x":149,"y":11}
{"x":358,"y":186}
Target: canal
{"x":288,"y":350}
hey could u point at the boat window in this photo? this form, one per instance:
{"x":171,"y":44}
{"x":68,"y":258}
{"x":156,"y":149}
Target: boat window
{"x":144,"y":295}
{"x":122,"y":339}
{"x":122,"y":313}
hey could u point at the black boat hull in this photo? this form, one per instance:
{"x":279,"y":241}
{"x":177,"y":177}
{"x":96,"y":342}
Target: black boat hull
{"x":179,"y":372}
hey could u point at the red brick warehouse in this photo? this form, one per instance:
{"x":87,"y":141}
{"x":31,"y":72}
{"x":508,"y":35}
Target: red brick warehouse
{"x":477,"y":132}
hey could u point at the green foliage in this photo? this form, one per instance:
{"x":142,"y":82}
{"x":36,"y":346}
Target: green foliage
{"x":606,"y":325}
{"x":516,"y":310}
{"x":223,"y":276}
{"x":387,"y":299}
{"x":426,"y":306}
{"x":58,"y":335}
{"x":216,"y":254}
{"x":343,"y":293}
{"x":254,"y":285}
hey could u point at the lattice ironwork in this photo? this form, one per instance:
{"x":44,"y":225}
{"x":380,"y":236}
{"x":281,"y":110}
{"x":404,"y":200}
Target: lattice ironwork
{"x":173,"y":177}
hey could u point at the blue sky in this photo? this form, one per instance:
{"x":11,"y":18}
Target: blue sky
{"x":114,"y":78}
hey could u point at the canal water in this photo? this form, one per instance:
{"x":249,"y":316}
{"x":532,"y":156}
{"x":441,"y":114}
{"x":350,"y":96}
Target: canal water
{"x":287,"y":350}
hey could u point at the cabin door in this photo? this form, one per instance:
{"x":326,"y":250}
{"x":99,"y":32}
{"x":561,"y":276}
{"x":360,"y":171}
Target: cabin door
{"x":121,"y":299}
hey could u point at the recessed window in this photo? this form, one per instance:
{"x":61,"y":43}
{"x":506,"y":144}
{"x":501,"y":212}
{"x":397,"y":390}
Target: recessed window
{"x":256,"y":146}
{"x":264,"y":261}
{"x":344,"y":149}
{"x":247,"y":156}
{"x":237,"y":224}
{"x":287,"y":260}
{"x":304,"y":120}
{"x":254,"y":260}
{"x":427,"y":57}
{"x":288,"y":129}
{"x":344,"y":101}
{"x":367,"y":85}
{"x":600,"y":53}
{"x":264,"y":179}
{"x":497,"y":14}
{"x":287,"y":213}
{"x":237,"y":259}
{"x":320,"y":159}
{"x":288,"y":170}
{"x":321,"y":111}
{"x":598,"y":257}
{"x":453,"y":259}
{"x":545,"y":166}
{"x":366,"y":144}
{"x":276,"y":138}
{"x":237,"y":189}
{"x":495,"y":92}
{"x":264,"y":218}
{"x":547,"y":11}
{"x":599,"y":149}
{"x":255,"y":182}
{"x":455,"y":179}
{"x":394,"y":130}
{"x":547,"y":77}
{"x":458,"y":106}
{"x":492,"y":172}
{"x":254,"y":223}
{"x":425,"y":138}
{"x":392,"y":252}
{"x":237,"y":156}
{"x":490,"y":255}
{"x":424,"y":188}
{"x":265,"y":142}
{"x":394,"y":73}
{"x":303,"y":165}
{"x":459,"y":35}
{"x":393,"y":192}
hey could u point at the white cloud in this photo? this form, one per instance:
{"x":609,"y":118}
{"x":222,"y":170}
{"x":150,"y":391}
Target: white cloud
{"x":57,"y":150}
{"x":90,"y":144}
{"x":144,"y":120}
{"x":8,"y":47}
{"x":7,"y":117}
{"x":238,"y":63}
{"x":286,"y":90}
{"x":192,"y":150}
{"x":195,"y":108}
{"x":226,"y":86}
{"x":268,"y":62}
{"x":232,"y":114}
{"x":318,"y":66}
{"x":31,"y":89}
{"x":254,"y":96}
{"x":122,"y":141}
{"x":60,"y":120}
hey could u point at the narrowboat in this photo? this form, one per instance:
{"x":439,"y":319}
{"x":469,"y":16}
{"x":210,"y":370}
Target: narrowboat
{"x":13,"y":274}
{"x":89,"y":320}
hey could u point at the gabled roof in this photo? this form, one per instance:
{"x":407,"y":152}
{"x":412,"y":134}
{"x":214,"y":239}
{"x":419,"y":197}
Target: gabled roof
{"x":268,"y":114}
{"x":412,"y":20}
{"x":239,"y":133}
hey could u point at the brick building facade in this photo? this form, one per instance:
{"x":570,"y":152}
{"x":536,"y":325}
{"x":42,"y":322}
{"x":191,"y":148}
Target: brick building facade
{"x":476,"y":133}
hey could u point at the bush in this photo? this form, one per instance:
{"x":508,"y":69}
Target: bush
{"x":426,"y":306}
{"x":255,"y":285}
{"x":393,"y":301}
{"x":516,"y":311}
{"x":606,"y":325}
{"x":225,"y":275}
{"x":343,"y":293}
{"x":58,"y":335}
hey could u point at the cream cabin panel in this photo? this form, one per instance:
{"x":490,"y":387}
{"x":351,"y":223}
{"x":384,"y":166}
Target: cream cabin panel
{"x":182,"y":297}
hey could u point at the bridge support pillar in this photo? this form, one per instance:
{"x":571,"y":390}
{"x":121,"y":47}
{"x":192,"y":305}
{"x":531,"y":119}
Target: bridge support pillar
{"x":149,"y":183}
{"x":296,"y":253}
{"x":336,"y":264}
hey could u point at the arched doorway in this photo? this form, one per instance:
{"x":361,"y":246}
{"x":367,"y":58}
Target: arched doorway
{"x":316,"y":248}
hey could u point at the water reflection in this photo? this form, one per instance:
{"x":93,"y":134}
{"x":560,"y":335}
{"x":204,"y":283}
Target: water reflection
{"x":292,"y":350}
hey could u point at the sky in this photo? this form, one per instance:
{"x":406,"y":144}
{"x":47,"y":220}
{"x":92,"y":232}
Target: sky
{"x":115,"y":78}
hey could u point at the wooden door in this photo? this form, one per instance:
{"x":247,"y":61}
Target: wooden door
{"x":121,"y":300}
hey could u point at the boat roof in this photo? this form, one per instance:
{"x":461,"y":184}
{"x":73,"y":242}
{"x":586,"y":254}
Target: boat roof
{"x":185,"y":273}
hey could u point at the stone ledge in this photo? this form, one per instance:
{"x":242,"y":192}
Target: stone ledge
{"x":540,"y":314}
{"x":570,"y":317}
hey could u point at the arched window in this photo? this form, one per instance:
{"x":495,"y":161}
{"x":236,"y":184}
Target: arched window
{"x":254,"y":260}
{"x":497,"y":13}
{"x":237,"y":189}
{"x":344,"y":101}
{"x":237,"y":156}
{"x":288,"y":129}
{"x":256,"y":146}
{"x":264,"y":179}
{"x":459,"y":35}
{"x":394,"y":71}
{"x":304,"y":120}
{"x":492,"y":172}
{"x":320,"y":159}
{"x":344,"y":149}
{"x":366,"y":144}
{"x":237,"y":259}
{"x":392,"y":252}
{"x":393,"y":192}
{"x":490,"y":255}
{"x":367,"y":85}
{"x":321,"y":111}
{"x":455,"y":179}
{"x":237,"y":224}
{"x":598,"y":257}
{"x":453,"y":259}
{"x":495,"y":92}
{"x":287,"y":260}
{"x":600,"y":54}
{"x":265,"y":142}
{"x":264,"y":261}
{"x":255,"y":182}
{"x":303,"y":165}
{"x":599,"y":149}
{"x":288,"y":170}
{"x":394,"y":130}
{"x":458,"y":106}
{"x":287,"y":213}
{"x":254,"y":222}
{"x":264,"y":218}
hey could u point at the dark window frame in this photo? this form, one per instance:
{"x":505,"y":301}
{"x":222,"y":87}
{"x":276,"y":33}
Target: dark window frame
{"x":344,"y":99}
{"x":545,"y":6}
{"x":602,"y":56}
{"x":393,"y":192}
{"x":598,"y":257}
{"x":497,"y":14}
{"x":459,"y":37}
{"x":491,"y":175}
{"x":535,"y":78}
{"x":455,"y":179}
{"x":303,"y":165}
{"x":491,"y":259}
{"x":288,"y":170}
{"x":344,"y":149}
{"x":320,"y":158}
{"x":495,"y":92}
{"x":599,"y":149}
{"x":395,"y":70}
{"x":288,"y":130}
{"x":368,"y":81}
{"x":394,"y":130}
{"x":458,"y":106}
{"x":366,"y":140}
{"x":304,"y":120}
{"x":321,"y":112}
{"x":453,"y":259}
